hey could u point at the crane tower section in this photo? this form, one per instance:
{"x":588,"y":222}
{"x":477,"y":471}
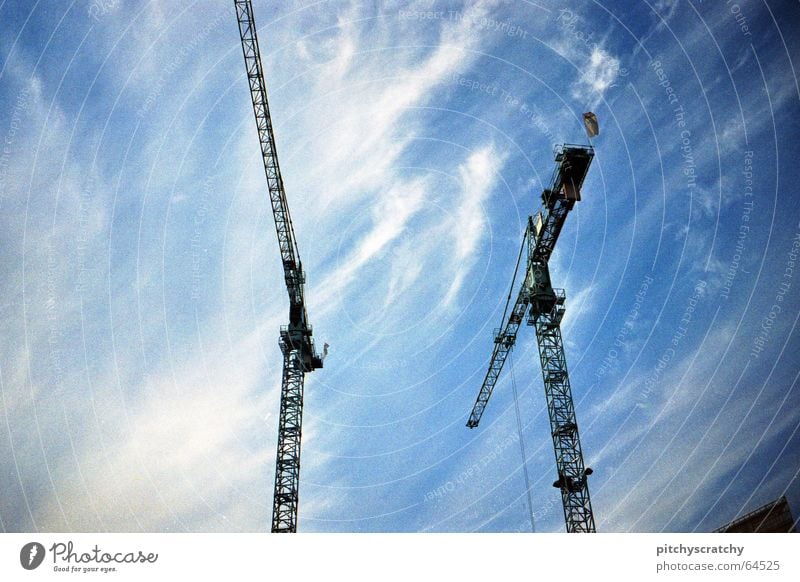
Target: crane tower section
{"x":296,"y":343}
{"x":544,"y":307}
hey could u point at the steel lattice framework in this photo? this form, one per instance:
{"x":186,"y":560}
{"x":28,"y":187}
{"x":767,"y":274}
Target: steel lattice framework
{"x":297,"y":345}
{"x":544,"y":306}
{"x":287,"y":463}
{"x":572,"y":474}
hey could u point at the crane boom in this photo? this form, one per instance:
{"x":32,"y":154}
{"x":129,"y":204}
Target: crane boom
{"x":504,"y":339}
{"x":545,"y":308}
{"x":290,"y":255}
{"x":560,"y":196}
{"x":296,"y":343}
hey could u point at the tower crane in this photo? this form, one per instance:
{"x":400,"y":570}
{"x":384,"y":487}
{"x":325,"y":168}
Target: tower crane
{"x":544,"y":307}
{"x":296,"y":343}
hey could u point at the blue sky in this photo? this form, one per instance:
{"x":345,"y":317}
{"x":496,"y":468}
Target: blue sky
{"x":142,"y":289}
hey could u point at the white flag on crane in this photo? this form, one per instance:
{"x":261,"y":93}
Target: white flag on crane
{"x":590,"y":122}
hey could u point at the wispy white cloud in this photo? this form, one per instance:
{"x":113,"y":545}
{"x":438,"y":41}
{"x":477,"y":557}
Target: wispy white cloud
{"x":598,"y":73}
{"x":180,"y":455}
{"x":662,"y":451}
{"x":389,"y":219}
{"x":168,"y":403}
{"x":191,"y":445}
{"x":478,"y":177}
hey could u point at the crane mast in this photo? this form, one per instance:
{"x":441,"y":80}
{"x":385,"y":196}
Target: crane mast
{"x":544,"y":307}
{"x":296,"y":343}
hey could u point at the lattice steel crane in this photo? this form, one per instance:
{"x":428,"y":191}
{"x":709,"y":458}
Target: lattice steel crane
{"x":299,"y":353}
{"x":545,"y":308}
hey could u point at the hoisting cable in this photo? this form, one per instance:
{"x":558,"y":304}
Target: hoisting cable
{"x":514,"y":279}
{"x":521,"y":443}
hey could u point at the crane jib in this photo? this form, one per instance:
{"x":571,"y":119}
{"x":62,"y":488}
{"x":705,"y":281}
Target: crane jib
{"x":572,"y":166}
